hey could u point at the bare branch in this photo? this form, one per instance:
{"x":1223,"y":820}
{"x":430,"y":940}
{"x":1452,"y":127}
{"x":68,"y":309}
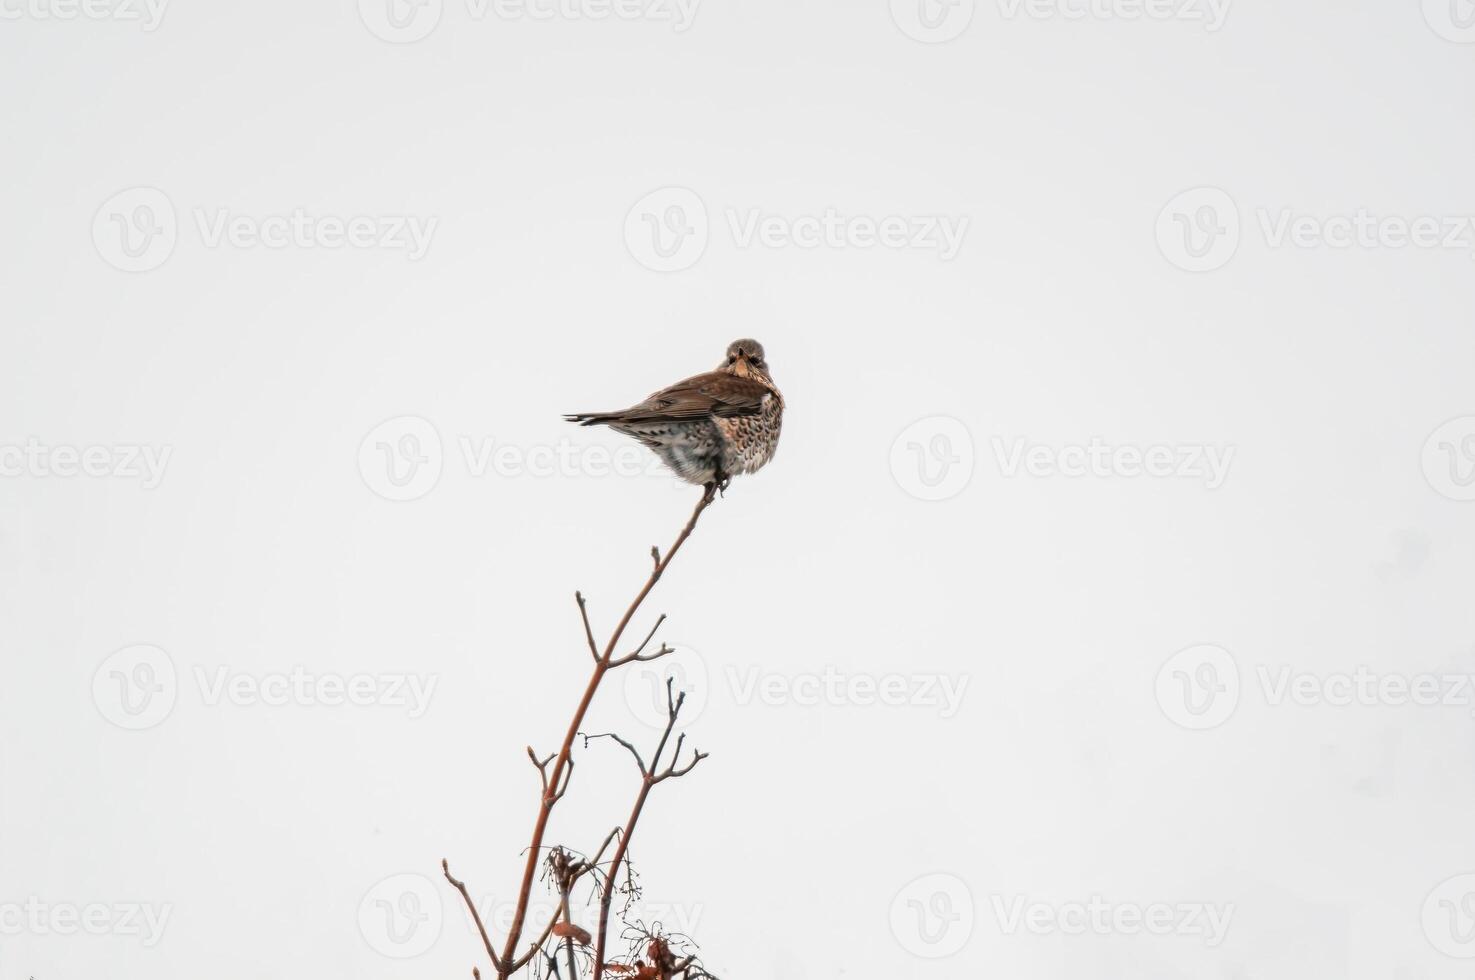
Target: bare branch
{"x":650,"y":779}
{"x":547,"y":931}
{"x":632,"y":657}
{"x":557,"y":781}
{"x":542,"y":767}
{"x":646,"y":657}
{"x":568,"y":775}
{"x":594,"y":861}
{"x":486,"y":940}
{"x":628,"y":747}
{"x":588,"y":631}
{"x":673,"y":773}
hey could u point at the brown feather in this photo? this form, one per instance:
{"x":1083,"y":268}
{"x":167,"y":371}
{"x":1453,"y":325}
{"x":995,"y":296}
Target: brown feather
{"x":716,"y":394}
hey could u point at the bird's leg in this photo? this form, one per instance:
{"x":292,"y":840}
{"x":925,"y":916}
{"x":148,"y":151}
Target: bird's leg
{"x":721,"y":482}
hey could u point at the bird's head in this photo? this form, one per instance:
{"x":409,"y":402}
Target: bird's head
{"x":745,"y":359}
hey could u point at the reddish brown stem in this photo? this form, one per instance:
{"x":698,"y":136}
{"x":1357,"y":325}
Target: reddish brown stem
{"x":509,"y":961}
{"x":649,"y":779}
{"x":614,"y":870}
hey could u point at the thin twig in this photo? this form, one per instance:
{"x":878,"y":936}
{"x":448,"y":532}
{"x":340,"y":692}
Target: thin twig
{"x":650,"y":778}
{"x":630,"y":657}
{"x":551,"y":793}
{"x":588,"y":630}
{"x":639,"y":762}
{"x":460,"y":886}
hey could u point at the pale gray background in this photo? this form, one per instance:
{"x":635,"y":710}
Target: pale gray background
{"x":1057,"y":599}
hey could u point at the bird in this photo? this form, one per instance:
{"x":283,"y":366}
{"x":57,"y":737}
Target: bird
{"x":710,"y":427}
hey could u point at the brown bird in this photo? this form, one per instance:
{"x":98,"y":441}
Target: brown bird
{"x":711,"y":427}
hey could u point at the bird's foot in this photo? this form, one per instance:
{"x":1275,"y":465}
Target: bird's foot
{"x":716,"y":486}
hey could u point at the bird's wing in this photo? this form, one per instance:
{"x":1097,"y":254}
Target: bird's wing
{"x":716,"y":394}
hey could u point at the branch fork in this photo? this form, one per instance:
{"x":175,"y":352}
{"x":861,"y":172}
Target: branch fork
{"x":555,"y":772}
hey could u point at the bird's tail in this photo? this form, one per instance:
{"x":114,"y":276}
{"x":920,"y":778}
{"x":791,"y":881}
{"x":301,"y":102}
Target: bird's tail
{"x":593,"y":418}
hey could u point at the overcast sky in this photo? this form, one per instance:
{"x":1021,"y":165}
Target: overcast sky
{"x":1106,"y":610}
